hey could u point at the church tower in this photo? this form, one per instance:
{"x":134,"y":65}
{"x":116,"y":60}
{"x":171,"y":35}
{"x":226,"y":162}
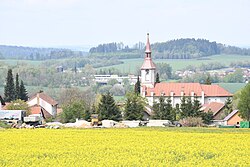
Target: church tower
{"x":148,"y":68}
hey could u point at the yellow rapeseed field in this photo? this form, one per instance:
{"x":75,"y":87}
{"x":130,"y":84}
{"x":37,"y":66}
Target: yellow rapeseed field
{"x":125,"y":147}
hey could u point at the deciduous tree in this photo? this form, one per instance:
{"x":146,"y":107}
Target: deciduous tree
{"x":244,"y":103}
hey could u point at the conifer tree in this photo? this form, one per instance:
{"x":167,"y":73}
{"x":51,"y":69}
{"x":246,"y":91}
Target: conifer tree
{"x":23,"y":93}
{"x":197,"y":112}
{"x":17,"y":87}
{"x":157,"y":80}
{"x":9,"y":89}
{"x":208,"y":80}
{"x":138,"y":86}
{"x":107,"y":108}
{"x":163,"y":110}
{"x":134,"y":107}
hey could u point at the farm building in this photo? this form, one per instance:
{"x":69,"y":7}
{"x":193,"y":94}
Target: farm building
{"x":152,"y":91}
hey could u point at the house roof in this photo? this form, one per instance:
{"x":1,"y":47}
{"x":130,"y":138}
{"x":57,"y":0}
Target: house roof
{"x":230,"y":115}
{"x":214,"y":107}
{"x":215,"y":90}
{"x":176,"y":88}
{"x":187,"y":89}
{"x":45,"y":97}
{"x":36,"y":109}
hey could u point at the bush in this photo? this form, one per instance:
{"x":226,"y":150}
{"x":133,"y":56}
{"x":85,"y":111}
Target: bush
{"x":4,"y":125}
{"x":192,"y":121}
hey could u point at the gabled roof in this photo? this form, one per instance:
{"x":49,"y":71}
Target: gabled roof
{"x":187,"y":89}
{"x":176,"y":88}
{"x":36,"y":109}
{"x":230,"y":115}
{"x":215,"y":90}
{"x":214,"y":107}
{"x":45,"y":97}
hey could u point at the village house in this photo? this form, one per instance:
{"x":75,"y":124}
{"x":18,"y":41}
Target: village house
{"x":152,"y":91}
{"x":216,"y":108}
{"x":44,"y":105}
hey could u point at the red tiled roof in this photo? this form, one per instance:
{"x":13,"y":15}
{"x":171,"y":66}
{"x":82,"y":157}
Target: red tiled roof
{"x":215,"y":90}
{"x":187,"y":89}
{"x":35,"y":109}
{"x":177,"y":88}
{"x":38,"y":109}
{"x":214,"y":107}
{"x":46,"y":98}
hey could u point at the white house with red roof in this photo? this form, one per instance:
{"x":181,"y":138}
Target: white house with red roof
{"x":43,"y":104}
{"x":152,"y":91}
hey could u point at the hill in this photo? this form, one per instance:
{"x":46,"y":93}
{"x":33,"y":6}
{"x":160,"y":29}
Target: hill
{"x":32,"y":53}
{"x":188,"y":48}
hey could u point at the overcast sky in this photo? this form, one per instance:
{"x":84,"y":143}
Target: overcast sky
{"x":91,"y":22}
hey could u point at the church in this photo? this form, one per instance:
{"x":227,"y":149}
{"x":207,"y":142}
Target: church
{"x":152,"y":91}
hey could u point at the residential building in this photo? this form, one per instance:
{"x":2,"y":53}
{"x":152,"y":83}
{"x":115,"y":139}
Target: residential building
{"x":42,"y":102}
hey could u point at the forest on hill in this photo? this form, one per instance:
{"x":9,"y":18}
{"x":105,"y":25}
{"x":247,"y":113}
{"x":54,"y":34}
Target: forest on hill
{"x":32,"y":53}
{"x":188,"y":48}
{"x":175,"y":49}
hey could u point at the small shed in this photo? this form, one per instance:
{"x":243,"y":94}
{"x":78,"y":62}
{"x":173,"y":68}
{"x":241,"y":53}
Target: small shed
{"x":233,"y":118}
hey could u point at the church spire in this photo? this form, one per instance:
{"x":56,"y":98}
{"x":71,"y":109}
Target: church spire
{"x":148,"y":63}
{"x":148,"y":47}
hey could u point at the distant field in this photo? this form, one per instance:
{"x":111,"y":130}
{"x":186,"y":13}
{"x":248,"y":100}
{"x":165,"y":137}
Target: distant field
{"x":15,"y":62}
{"x":131,"y":65}
{"x":232,"y":87}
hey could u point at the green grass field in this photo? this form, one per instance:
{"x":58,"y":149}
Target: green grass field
{"x":15,"y":62}
{"x":131,"y":65}
{"x":232,"y":87}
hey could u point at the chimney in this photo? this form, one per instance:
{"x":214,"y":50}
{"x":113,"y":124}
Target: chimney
{"x":38,"y":98}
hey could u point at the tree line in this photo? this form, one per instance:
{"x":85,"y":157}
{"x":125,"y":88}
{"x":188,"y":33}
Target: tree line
{"x":187,"y":48}
{"x":31,"y":53}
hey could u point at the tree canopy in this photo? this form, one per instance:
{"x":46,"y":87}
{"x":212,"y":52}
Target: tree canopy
{"x":244,"y":103}
{"x":107,"y":109}
{"x":134,"y":107}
